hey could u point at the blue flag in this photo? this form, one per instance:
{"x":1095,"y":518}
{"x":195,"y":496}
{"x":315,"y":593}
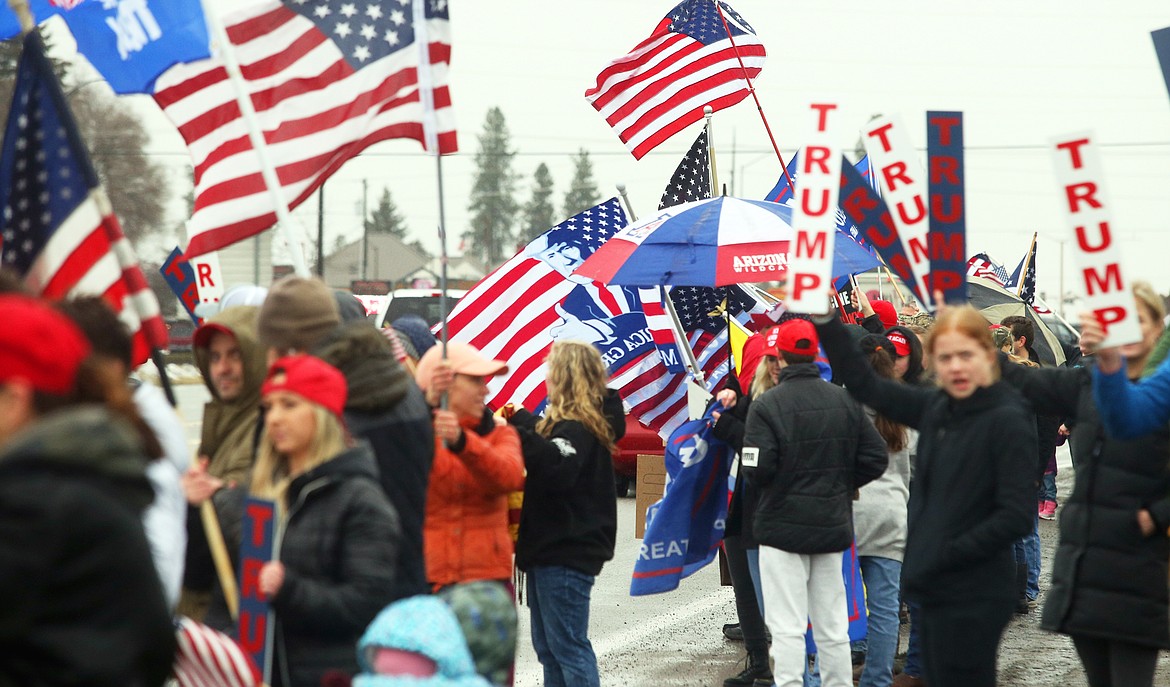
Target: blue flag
{"x":131,"y":42}
{"x":685,"y":528}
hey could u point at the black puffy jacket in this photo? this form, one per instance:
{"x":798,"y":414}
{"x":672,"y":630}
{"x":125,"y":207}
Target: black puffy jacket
{"x":816,"y":447}
{"x":974,"y":488}
{"x":1108,"y":581}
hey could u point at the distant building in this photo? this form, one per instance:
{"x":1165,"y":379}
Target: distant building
{"x":389,"y":259}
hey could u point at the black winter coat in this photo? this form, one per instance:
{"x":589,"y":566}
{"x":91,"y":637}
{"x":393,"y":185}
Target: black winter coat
{"x":339,"y":545}
{"x":974,"y":488}
{"x":80,"y":601}
{"x":387,"y":409}
{"x":569,"y":516}
{"x":816,"y":447}
{"x":742,"y":509}
{"x":1108,"y":581}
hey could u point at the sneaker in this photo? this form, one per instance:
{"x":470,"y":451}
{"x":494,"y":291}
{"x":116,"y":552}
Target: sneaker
{"x":1048,"y":510}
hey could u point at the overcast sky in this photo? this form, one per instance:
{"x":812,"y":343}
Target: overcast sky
{"x":1022,"y":73}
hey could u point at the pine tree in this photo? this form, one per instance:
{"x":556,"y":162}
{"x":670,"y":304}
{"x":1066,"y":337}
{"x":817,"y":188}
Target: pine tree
{"x":582,"y":193}
{"x":493,"y":204}
{"x":539,"y":210}
{"x":385,"y":218}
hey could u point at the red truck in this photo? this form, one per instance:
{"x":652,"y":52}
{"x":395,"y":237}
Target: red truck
{"x":638,"y":439}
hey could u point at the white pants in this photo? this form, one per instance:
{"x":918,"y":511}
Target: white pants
{"x":797,"y":588}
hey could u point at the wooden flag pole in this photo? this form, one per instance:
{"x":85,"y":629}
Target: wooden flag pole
{"x":759,"y":108}
{"x":24,"y":14}
{"x":219,"y":554}
{"x":267,"y":170}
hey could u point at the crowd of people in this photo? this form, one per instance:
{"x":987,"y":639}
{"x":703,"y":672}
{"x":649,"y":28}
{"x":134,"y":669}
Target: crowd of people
{"x":923,"y":446}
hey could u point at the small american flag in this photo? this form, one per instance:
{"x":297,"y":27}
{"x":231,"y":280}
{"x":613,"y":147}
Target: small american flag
{"x":688,"y":62}
{"x":981,"y":265}
{"x":1025,"y":285}
{"x":206,"y":658}
{"x":328,"y":78}
{"x":57,"y":229}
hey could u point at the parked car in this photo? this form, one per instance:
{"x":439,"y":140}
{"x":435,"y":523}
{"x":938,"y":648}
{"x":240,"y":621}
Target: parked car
{"x":180,"y":331}
{"x":639,"y":439}
{"x":422,"y":302}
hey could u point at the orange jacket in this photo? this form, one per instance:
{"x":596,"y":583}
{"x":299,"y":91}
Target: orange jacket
{"x":465,"y":533}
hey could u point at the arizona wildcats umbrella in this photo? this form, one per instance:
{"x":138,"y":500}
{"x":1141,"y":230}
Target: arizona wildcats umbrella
{"x":710,"y":242}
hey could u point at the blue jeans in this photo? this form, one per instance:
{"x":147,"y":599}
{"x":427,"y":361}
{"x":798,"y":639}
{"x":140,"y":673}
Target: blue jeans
{"x":1048,"y":487}
{"x":1027,"y":551}
{"x":558,"y":598}
{"x":913,"y":665}
{"x":881,"y":576}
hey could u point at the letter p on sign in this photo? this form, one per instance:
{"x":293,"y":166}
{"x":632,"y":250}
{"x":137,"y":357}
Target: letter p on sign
{"x":814,"y":217}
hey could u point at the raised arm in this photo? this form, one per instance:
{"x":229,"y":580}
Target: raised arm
{"x":901,"y":403}
{"x":1131,"y":410}
{"x":1050,"y":390}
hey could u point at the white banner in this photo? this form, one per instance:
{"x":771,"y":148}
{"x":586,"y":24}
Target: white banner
{"x":814,"y":216}
{"x":904,"y":188}
{"x":1097,"y":255}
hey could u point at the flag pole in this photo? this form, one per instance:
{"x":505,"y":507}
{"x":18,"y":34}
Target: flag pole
{"x":707,"y":113}
{"x":752,"y":90}
{"x":680,"y":336}
{"x":259,"y":145}
{"x":24,"y":14}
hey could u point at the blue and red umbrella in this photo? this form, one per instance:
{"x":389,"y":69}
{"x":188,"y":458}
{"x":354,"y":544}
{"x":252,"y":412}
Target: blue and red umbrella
{"x":712,"y":242}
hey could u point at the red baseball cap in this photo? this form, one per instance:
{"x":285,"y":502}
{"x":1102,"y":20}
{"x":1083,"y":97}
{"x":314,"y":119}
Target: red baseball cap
{"x":901,"y":345}
{"x":313,"y":378}
{"x":796,"y":336}
{"x":202,"y":336}
{"x":39,"y":345}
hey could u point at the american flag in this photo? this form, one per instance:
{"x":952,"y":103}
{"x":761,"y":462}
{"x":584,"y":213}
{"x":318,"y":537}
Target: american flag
{"x":981,"y":265}
{"x":688,"y":62}
{"x":57,"y":229}
{"x":328,"y":78}
{"x":1025,"y":286}
{"x":509,"y":314}
{"x":206,"y":658}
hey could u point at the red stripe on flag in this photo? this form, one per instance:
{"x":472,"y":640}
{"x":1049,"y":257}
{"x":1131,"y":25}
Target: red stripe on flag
{"x":92,"y":248}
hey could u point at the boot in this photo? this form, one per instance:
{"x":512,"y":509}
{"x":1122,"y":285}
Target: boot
{"x":758,"y":669}
{"x":1022,"y":589}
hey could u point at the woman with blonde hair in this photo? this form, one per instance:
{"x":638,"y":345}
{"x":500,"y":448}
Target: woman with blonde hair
{"x":569,"y":521}
{"x":338,"y":533}
{"x":971,"y":500}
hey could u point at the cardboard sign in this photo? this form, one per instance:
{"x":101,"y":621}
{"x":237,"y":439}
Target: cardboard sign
{"x":208,"y":277}
{"x":948,"y":212}
{"x":814,"y":217}
{"x":868,"y":212}
{"x":181,"y":278}
{"x":257,"y":547}
{"x":1096,"y":253}
{"x":904,"y":188}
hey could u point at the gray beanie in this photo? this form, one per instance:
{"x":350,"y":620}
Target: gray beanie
{"x":296,"y":314}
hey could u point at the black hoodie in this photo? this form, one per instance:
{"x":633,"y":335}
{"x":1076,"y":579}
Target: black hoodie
{"x":570,"y":505}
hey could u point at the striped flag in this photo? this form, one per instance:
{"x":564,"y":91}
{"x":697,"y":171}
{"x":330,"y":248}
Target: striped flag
{"x":57,"y":229}
{"x":687,"y":63}
{"x":207,"y":658}
{"x":981,"y":265}
{"x":327,"y":79}
{"x":519,"y":310}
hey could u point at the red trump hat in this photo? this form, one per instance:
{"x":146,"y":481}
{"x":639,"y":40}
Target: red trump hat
{"x":39,"y":345}
{"x":798,"y":337}
{"x":310,"y":377}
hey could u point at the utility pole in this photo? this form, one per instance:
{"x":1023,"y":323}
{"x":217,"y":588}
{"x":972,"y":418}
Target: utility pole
{"x":321,"y":231}
{"x":365,"y":229}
